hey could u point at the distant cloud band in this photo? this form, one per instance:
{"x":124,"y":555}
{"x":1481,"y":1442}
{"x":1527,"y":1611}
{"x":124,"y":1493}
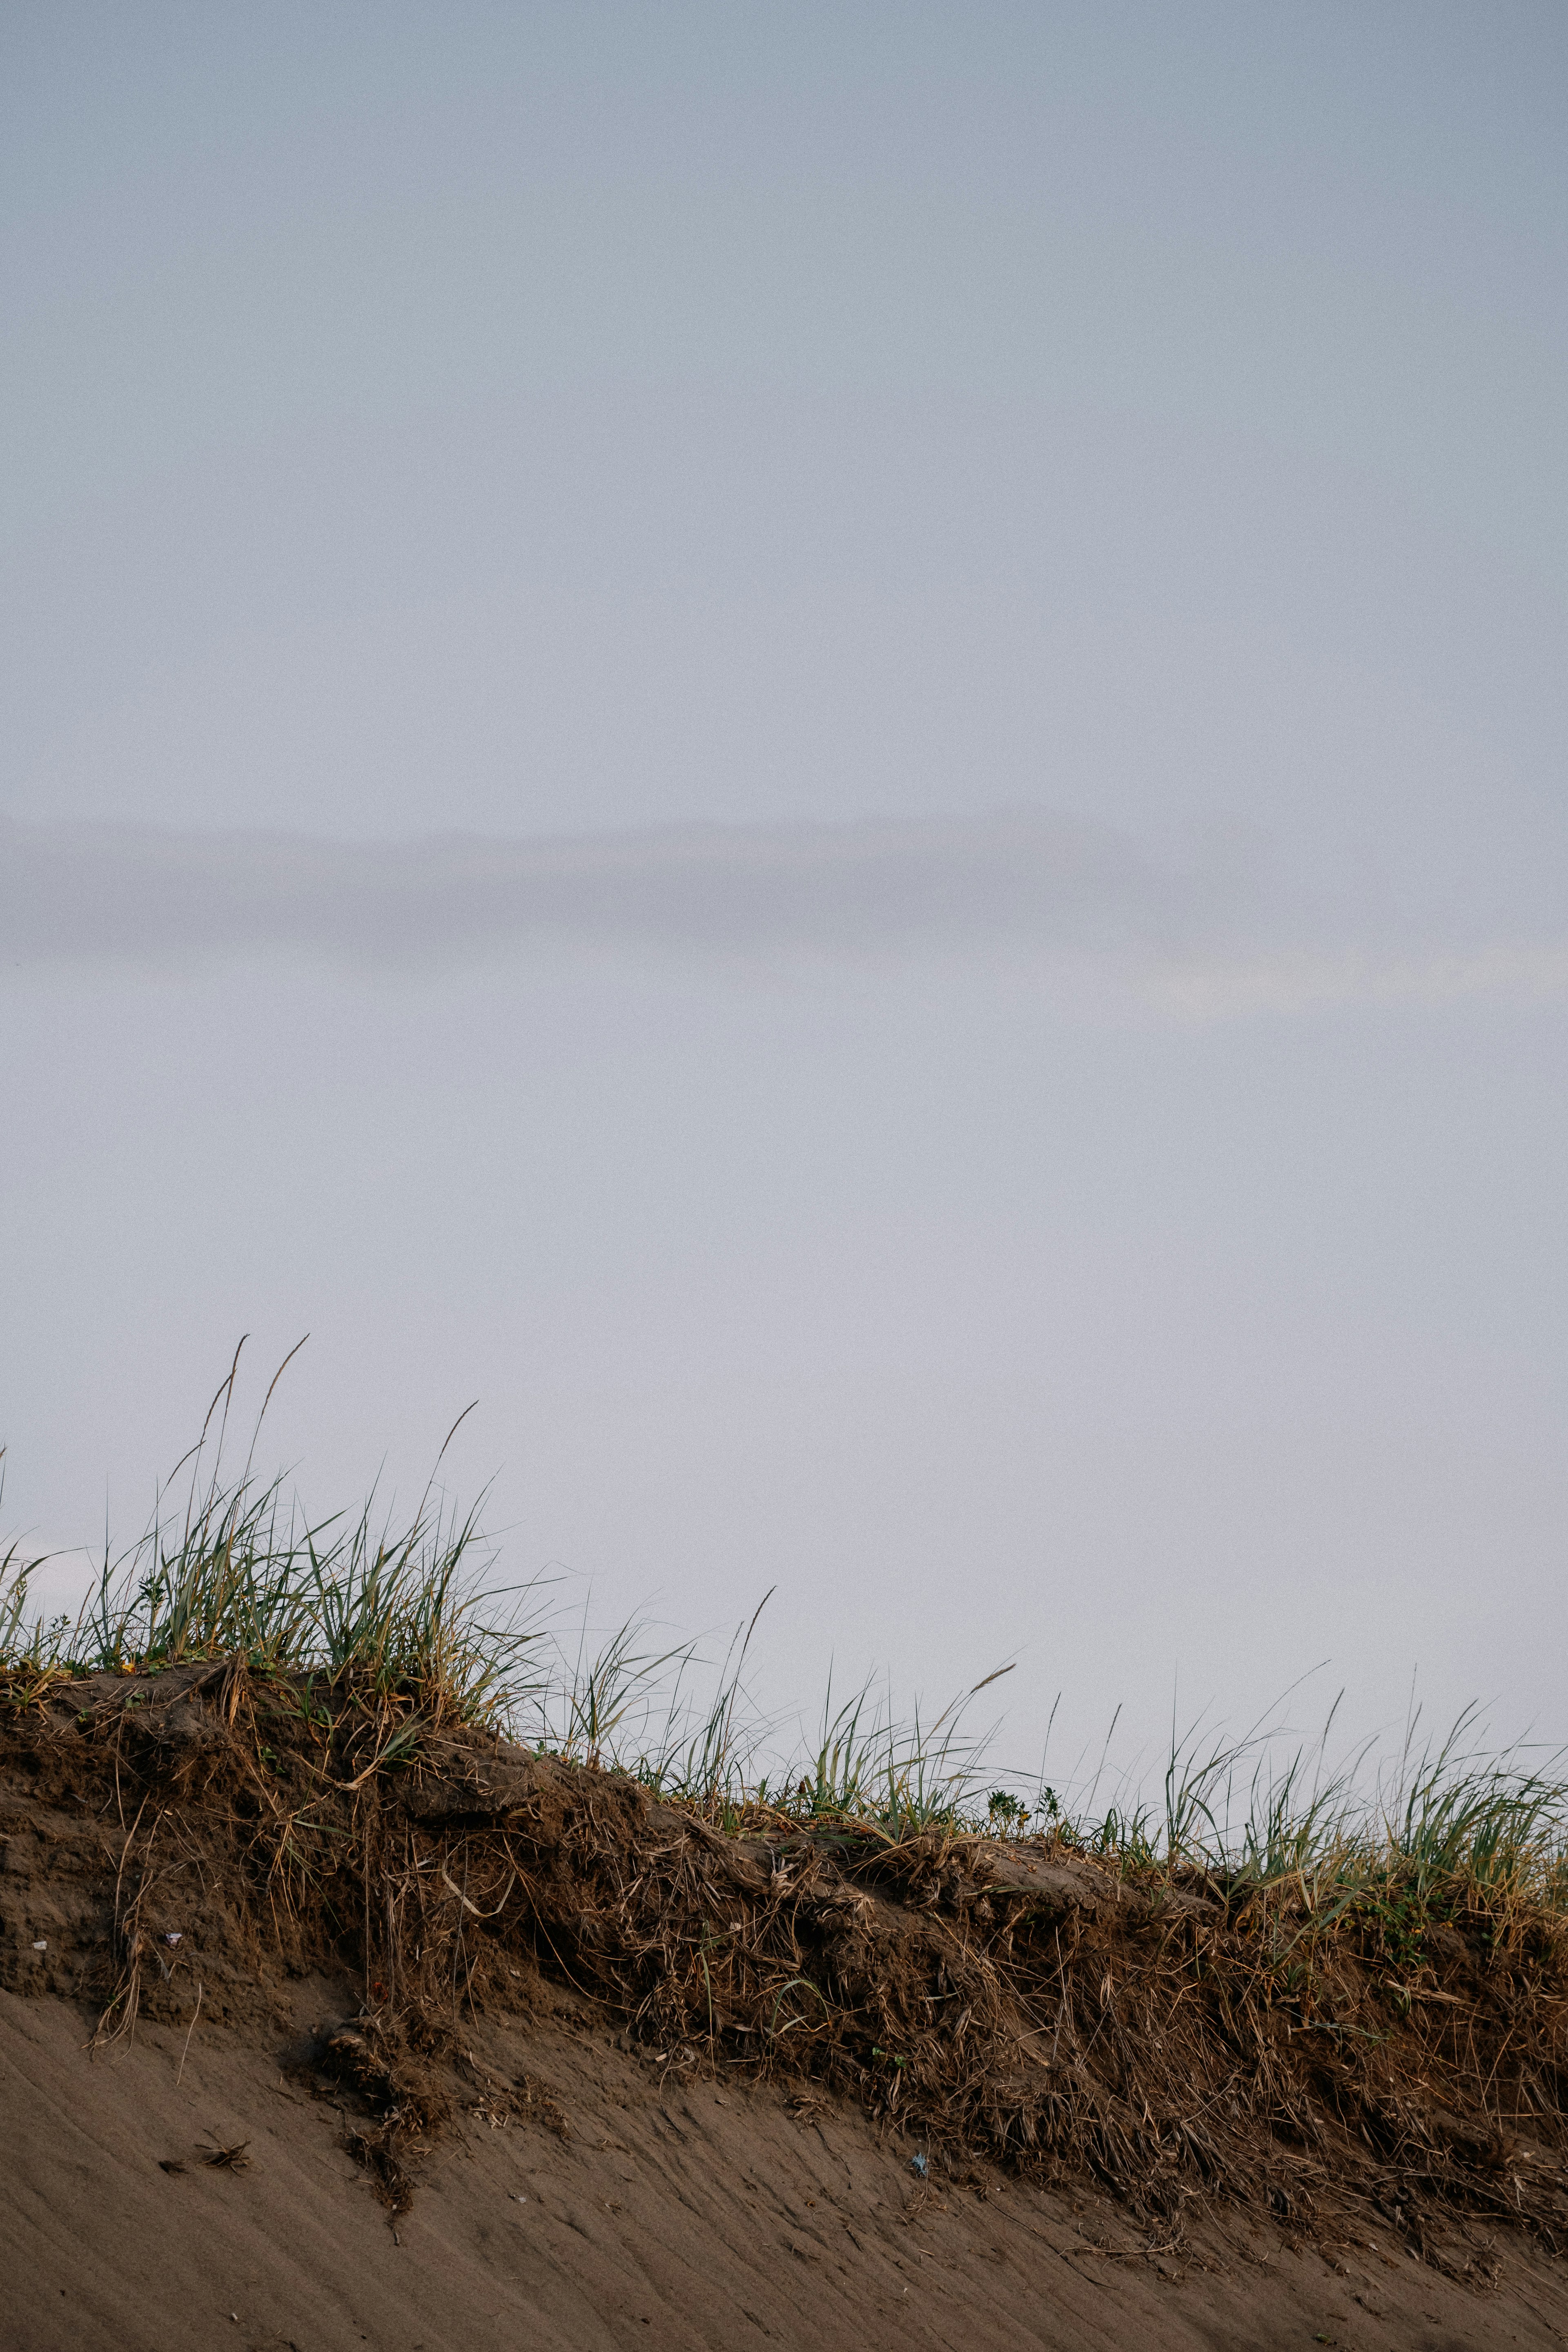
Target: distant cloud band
{"x":80,"y":892}
{"x":1198,"y":942}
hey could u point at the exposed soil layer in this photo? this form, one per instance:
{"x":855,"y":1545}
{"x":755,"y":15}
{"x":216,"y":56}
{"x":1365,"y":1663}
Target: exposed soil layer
{"x":411,"y":1979}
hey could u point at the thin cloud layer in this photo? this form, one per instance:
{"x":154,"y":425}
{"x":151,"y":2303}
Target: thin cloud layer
{"x":81,"y":893}
{"x":1202,"y":942}
{"x":1299,"y":980}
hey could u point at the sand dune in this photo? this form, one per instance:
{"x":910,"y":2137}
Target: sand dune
{"x":673,"y":2213}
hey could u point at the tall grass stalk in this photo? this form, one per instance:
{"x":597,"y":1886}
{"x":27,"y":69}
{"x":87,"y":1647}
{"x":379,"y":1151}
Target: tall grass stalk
{"x":401,"y":1609}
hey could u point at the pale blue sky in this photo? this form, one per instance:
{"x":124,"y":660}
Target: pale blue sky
{"x":1080,"y":495}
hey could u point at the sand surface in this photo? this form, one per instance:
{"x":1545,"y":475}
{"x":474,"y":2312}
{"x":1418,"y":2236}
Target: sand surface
{"x":632,"y":2207}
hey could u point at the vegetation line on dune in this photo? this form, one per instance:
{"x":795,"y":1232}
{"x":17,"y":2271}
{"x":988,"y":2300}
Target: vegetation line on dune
{"x":406,"y":1619}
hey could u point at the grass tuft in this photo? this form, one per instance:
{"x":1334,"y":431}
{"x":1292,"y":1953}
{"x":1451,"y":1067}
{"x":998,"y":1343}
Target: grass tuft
{"x":405,"y":1620}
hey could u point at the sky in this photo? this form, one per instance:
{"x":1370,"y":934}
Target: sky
{"x":824,"y":747}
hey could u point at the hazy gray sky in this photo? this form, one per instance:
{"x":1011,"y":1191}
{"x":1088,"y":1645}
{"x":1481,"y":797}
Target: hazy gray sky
{"x":826,"y":746}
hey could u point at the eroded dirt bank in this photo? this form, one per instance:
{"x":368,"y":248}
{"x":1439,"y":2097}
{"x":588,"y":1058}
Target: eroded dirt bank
{"x":488,"y":2048}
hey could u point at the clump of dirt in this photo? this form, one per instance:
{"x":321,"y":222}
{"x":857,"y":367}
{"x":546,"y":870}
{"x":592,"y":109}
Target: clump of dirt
{"x":209,"y":1833}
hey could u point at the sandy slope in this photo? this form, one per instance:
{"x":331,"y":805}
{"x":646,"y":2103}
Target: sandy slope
{"x":672,"y":2213}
